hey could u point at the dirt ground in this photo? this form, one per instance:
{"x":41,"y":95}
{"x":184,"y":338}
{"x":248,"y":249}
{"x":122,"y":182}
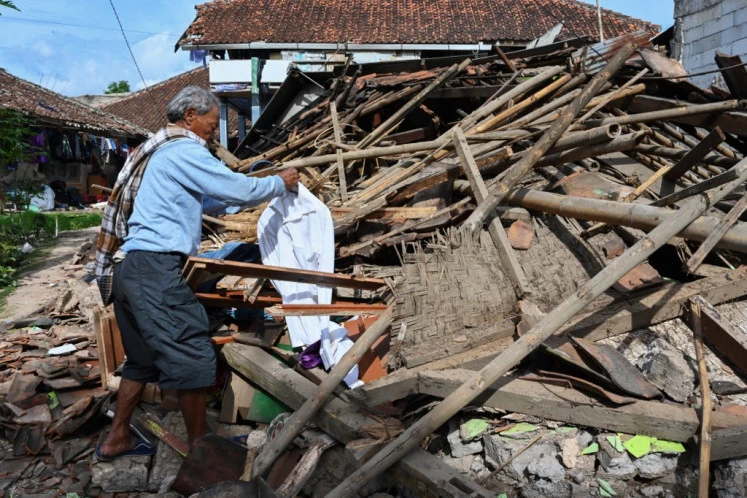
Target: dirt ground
{"x":34,"y":286}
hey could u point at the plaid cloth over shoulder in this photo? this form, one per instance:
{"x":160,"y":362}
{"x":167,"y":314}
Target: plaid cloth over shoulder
{"x":121,"y":201}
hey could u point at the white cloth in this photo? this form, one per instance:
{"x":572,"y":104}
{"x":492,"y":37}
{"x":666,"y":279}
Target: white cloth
{"x":296,"y":231}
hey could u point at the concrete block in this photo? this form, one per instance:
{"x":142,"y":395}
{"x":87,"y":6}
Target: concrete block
{"x":728,"y":6}
{"x":722,"y":23}
{"x":690,"y":35}
{"x":123,"y":475}
{"x":693,"y":61}
{"x":710,"y":42}
{"x":687,"y":7}
{"x":740,"y":16}
{"x":705,"y":15}
{"x":739,"y":47}
{"x":733,"y":34}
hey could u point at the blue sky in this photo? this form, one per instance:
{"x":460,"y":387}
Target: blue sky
{"x":75,"y":60}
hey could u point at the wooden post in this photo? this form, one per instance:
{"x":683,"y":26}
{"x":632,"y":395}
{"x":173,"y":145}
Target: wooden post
{"x":517,"y":171}
{"x":705,"y":401}
{"x":708,"y":244}
{"x":296,"y":422}
{"x":497,"y":232}
{"x":696,"y":154}
{"x":519,"y":350}
{"x":338,"y":152}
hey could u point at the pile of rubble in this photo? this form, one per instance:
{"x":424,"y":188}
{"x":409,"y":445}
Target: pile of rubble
{"x":560,"y":352}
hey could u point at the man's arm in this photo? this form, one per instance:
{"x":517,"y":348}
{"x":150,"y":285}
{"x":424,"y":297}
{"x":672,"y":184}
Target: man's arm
{"x":197,"y":170}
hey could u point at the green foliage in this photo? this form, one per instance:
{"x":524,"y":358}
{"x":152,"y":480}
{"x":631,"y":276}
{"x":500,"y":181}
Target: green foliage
{"x":8,"y":4}
{"x":120,"y":86}
{"x":15,"y":133}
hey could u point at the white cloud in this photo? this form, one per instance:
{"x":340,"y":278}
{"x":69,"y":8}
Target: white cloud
{"x":43,"y":48}
{"x":157,"y":60}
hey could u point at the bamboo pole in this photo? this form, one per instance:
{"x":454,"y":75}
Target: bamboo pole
{"x":398,"y":116}
{"x":517,"y":171}
{"x":670,"y":114}
{"x":606,"y":99}
{"x":338,"y":152}
{"x":297,"y":421}
{"x":724,"y":226}
{"x":528,"y":342}
{"x":497,"y":232}
{"x":705,"y":404}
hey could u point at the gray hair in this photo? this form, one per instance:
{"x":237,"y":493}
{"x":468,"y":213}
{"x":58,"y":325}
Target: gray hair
{"x":197,"y":98}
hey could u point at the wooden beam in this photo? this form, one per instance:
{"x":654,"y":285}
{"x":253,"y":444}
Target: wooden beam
{"x":224,"y":267}
{"x":709,"y":243}
{"x":731,"y":121}
{"x":722,"y":335}
{"x":428,"y":475}
{"x":653,"y":418}
{"x":736,"y":77}
{"x":656,"y":306}
{"x":338,"y":152}
{"x":696,"y":154}
{"x":729,"y":443}
{"x":497,"y":232}
{"x":706,"y":409}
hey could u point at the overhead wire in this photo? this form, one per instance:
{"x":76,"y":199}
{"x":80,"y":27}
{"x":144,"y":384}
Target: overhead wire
{"x":145,"y":85}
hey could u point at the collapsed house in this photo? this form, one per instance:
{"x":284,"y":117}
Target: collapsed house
{"x":541,"y":252}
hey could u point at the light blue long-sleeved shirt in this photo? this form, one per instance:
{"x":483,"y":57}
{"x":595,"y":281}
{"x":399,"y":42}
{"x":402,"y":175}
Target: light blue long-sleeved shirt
{"x":181,"y":179}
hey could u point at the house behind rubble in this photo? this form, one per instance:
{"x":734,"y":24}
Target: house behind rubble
{"x":77,"y":144}
{"x":147,"y":108}
{"x":254,"y":41}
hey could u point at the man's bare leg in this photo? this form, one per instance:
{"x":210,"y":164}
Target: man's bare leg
{"x":193,"y":404}
{"x":119,"y":440}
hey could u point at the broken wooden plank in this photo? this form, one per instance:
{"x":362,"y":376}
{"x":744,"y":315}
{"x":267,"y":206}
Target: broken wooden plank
{"x":481,"y":380}
{"x":430,"y":476}
{"x":696,"y":154}
{"x":729,"y":443}
{"x":279,"y":273}
{"x":653,"y":418}
{"x":715,"y":236}
{"x":736,"y":76}
{"x":722,"y":335}
{"x":295,"y":424}
{"x":497,"y":232}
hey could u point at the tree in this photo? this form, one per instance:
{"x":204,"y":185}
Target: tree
{"x":8,"y":4}
{"x":120,"y":86}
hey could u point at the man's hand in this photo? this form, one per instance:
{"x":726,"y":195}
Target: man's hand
{"x":290,"y":178}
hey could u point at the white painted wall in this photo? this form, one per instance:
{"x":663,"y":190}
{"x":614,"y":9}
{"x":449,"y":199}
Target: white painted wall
{"x":703,"y":27}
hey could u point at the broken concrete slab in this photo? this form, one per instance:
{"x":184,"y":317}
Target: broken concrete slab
{"x":547,"y":464}
{"x":167,"y":461}
{"x":655,"y":465}
{"x":125,"y":474}
{"x":730,"y":478}
{"x":458,"y":447}
{"x":612,"y":462}
{"x":666,"y":367}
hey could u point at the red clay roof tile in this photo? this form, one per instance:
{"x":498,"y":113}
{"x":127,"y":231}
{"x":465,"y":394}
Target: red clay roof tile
{"x":398,"y":21}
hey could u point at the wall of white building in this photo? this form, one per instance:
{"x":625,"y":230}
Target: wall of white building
{"x":703,"y":27}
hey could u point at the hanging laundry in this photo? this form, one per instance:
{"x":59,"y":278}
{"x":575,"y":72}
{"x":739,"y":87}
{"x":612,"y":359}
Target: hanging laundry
{"x":296,"y":231}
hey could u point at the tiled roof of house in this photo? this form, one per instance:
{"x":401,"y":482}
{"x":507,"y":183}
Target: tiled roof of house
{"x":147,"y":108}
{"x":399,"y":21}
{"x":50,"y":108}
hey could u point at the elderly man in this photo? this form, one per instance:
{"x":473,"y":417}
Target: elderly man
{"x":155,"y":213}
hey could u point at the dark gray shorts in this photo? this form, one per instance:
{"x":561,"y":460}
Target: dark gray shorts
{"x":164,"y":328}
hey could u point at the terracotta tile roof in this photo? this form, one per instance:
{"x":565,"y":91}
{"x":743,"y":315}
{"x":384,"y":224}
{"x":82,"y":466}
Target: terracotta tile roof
{"x":48,"y":107}
{"x":399,"y":21}
{"x":147,"y":108}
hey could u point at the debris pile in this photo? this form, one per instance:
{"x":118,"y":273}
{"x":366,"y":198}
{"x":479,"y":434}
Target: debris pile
{"x":533,"y":248}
